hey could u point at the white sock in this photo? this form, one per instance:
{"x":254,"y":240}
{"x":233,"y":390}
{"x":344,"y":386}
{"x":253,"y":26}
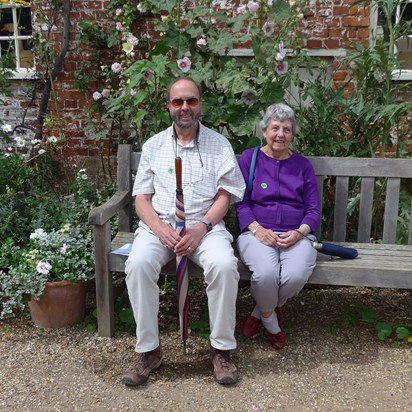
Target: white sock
{"x":271,"y":323}
{"x":256,"y":312}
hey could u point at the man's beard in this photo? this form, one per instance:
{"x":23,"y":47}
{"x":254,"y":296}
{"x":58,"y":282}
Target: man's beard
{"x":186,"y":125}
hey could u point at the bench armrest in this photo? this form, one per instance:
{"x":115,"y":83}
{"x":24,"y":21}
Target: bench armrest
{"x":103,"y":213}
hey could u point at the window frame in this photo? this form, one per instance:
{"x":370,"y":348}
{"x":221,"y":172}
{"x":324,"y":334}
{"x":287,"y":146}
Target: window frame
{"x":18,"y":72}
{"x":376,"y":31}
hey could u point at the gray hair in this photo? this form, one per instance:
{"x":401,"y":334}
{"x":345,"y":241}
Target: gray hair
{"x":279,"y":112}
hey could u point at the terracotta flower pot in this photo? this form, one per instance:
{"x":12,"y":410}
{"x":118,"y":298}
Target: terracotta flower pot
{"x":62,"y":303}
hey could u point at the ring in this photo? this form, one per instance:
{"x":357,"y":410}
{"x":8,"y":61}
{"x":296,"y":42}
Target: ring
{"x":190,"y":247}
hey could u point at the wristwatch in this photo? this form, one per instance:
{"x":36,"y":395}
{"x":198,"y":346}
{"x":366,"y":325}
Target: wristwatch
{"x":207,"y":224}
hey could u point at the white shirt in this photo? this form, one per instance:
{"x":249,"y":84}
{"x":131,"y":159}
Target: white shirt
{"x":156,"y":174}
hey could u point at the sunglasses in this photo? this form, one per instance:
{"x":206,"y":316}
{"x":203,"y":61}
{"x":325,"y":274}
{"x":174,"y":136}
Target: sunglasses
{"x":191,"y":101}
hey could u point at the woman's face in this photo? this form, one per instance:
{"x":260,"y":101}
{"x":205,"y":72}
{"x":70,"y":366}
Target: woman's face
{"x":278,"y":135}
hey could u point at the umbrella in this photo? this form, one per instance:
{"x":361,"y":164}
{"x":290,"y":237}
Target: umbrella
{"x":181,"y":261}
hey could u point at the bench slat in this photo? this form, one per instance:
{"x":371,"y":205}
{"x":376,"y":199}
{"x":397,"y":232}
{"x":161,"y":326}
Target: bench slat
{"x":365,"y":209}
{"x":391,"y":210}
{"x":340,"y":210}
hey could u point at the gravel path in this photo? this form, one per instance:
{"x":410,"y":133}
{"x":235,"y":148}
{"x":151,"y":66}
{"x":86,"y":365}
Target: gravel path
{"x":325,"y":366}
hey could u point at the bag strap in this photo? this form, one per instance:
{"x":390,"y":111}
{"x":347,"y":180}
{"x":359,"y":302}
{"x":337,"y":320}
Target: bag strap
{"x":252,"y":168}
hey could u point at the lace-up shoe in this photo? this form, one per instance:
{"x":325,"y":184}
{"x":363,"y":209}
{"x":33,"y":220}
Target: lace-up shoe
{"x":139,"y":372}
{"x":224,"y":370}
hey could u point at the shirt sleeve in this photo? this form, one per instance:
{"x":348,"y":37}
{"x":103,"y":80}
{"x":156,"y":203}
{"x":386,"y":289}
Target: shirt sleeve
{"x":311,"y":199}
{"x":143,"y":183}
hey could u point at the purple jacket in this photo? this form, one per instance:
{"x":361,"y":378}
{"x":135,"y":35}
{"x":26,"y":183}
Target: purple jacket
{"x":284,"y":195}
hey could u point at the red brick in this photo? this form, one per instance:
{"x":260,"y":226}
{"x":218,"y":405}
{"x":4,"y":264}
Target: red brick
{"x":314,"y":44}
{"x":355,"y":21}
{"x":331,"y":43}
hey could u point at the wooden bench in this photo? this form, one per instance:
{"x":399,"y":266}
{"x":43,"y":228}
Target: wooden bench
{"x":381,"y":264}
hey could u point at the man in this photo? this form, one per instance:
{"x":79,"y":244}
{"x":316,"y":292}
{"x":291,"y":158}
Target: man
{"x":211,"y":180}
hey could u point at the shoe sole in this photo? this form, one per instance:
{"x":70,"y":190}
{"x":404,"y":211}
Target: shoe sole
{"x":227,"y":380}
{"x":130,"y":382}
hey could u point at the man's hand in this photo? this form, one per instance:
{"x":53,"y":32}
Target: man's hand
{"x":190,"y":240}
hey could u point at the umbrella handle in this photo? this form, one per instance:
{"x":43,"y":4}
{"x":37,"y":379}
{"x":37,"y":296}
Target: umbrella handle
{"x":178,"y":168}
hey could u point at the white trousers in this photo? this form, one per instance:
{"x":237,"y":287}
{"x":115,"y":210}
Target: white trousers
{"x":277,"y":274}
{"x":214,"y":254}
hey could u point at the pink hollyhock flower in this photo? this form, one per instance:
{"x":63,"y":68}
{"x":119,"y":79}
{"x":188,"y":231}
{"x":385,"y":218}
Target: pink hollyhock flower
{"x":241,"y":10}
{"x":268,"y":28}
{"x":63,"y":249}
{"x":184,"y":64}
{"x":281,"y":54}
{"x":249,"y":97}
{"x":116,"y":67}
{"x":253,"y":5}
{"x":201,"y":42}
{"x":106,"y":93}
{"x":119,"y":26}
{"x":281,"y":67}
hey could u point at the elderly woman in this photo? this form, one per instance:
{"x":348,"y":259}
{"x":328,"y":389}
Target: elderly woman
{"x":281,"y":208}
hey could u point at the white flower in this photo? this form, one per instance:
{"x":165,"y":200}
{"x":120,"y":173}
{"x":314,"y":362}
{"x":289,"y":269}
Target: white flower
{"x":141,"y":8}
{"x":97,"y":96}
{"x":281,"y":67}
{"x":6,"y":128}
{"x":63,"y":249}
{"x":106,"y":93}
{"x":38,"y":234}
{"x":19,"y":141}
{"x":379,"y":75}
{"x":52,"y":139}
{"x":253,"y":6}
{"x":35,"y":141}
{"x":127,"y":48}
{"x":133,"y":40}
{"x":43,"y":267}
{"x":132,"y":92}
{"x":119,"y":26}
{"x":201,"y":42}
{"x":41,"y":151}
{"x":118,"y":12}
{"x":241,"y":10}
{"x":116,"y":67}
{"x":184,"y":64}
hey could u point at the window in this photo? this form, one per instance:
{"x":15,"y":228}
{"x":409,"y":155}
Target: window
{"x":16,"y":35}
{"x":403,"y":46}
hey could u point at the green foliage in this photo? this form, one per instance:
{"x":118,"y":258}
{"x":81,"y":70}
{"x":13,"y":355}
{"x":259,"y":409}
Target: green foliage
{"x":384,"y":330}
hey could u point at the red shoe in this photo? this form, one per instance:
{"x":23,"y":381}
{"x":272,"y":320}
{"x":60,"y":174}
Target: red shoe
{"x":277,"y":341}
{"x":250,"y":327}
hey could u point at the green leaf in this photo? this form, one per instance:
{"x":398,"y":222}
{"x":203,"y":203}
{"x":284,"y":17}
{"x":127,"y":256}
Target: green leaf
{"x":402,"y":332}
{"x":222,"y":43}
{"x":384,"y":330}
{"x":368,"y":315}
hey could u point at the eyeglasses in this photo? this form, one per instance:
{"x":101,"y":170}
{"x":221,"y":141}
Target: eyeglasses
{"x":191,"y":101}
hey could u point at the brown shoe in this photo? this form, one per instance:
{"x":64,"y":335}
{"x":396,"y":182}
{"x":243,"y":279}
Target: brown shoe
{"x":224,"y":370}
{"x":139,"y":372}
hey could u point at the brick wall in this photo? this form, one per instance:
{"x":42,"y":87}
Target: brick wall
{"x":328,"y":24}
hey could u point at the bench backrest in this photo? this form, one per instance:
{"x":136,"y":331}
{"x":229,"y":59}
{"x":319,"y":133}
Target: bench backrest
{"x":337,"y":173}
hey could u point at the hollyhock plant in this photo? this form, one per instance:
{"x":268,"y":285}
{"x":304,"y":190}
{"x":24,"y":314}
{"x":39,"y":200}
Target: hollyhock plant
{"x":184,"y":64}
{"x":281,"y":54}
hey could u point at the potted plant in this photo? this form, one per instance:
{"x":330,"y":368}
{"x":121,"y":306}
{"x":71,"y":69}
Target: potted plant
{"x":51,"y":270}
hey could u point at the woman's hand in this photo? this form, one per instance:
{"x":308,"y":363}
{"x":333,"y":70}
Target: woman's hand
{"x":287,"y":239}
{"x":282,"y":240}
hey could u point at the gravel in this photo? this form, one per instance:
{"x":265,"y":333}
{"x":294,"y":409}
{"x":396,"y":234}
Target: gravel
{"x":325,"y":365}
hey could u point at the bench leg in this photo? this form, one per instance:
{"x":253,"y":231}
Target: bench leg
{"x":103,"y":279}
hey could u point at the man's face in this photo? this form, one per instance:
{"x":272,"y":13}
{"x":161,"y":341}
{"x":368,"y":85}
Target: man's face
{"x":184,"y":104}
